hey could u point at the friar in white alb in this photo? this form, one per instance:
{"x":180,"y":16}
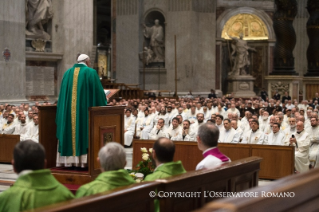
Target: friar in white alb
{"x":314,"y":142}
{"x":158,"y":130}
{"x":33,"y":130}
{"x":228,"y":134}
{"x":302,"y":143}
{"x":207,"y":141}
{"x":276,"y":137}
{"x":129,"y":127}
{"x":255,"y":135}
{"x":22,"y":128}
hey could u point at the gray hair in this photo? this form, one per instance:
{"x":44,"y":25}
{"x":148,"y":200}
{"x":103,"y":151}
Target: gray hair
{"x":209,"y":134}
{"x":112,"y":157}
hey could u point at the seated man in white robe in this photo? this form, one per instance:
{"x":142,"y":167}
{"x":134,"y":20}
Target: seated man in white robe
{"x":144,"y":125}
{"x":264,"y":121}
{"x":290,"y":130}
{"x":9,"y":127}
{"x":219,"y":122}
{"x":29,"y":118}
{"x":268,"y":128}
{"x":181,"y":113}
{"x":187,"y":133}
{"x":302,"y":143}
{"x":191,"y":116}
{"x":199,"y":108}
{"x":276,"y":137}
{"x":158,"y":131}
{"x":198,"y":123}
{"x":255,"y":135}
{"x":33,"y":130}
{"x":314,"y":143}
{"x":22,"y":128}
{"x":175,"y":130}
{"x":162,"y":115}
{"x":233,"y":109}
{"x":207,"y":141}
{"x":238,"y":129}
{"x":228,"y":134}
{"x":129,"y":128}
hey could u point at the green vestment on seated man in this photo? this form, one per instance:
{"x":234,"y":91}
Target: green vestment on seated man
{"x":166,"y":170}
{"x":104,"y":182}
{"x":81,"y":88}
{"x":36,"y":189}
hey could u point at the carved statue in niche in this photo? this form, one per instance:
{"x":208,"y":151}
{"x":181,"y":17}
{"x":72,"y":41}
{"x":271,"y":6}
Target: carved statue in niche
{"x":157,"y":45}
{"x":38,"y":13}
{"x":239,"y":55}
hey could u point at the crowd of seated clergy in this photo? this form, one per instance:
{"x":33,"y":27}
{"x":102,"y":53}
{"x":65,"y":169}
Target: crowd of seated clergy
{"x":20,"y":120}
{"x":36,"y":186}
{"x":265,"y":121}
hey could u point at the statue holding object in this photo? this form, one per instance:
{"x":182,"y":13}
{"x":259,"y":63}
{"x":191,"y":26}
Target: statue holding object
{"x":239,"y":55}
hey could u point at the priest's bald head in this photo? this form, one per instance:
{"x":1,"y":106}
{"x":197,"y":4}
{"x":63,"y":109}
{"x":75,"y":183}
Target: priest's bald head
{"x":83,"y":58}
{"x":28,"y":155}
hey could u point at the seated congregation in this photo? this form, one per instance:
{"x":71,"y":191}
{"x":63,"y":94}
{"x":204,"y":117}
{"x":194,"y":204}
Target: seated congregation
{"x":270,"y":122}
{"x":36,"y":186}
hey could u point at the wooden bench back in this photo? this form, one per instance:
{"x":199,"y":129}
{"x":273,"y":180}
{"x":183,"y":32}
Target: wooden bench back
{"x":230,"y":177}
{"x":233,"y":176}
{"x":278,"y":161}
{"x":302,"y":191}
{"x":7,"y":144}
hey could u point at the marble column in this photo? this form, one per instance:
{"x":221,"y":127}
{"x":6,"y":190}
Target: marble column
{"x":313,"y":35}
{"x":285,"y":37}
{"x":12,"y":36}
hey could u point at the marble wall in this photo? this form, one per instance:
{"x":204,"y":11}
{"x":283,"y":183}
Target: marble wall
{"x":72,"y":31}
{"x":193,"y":23}
{"x":300,"y":51}
{"x":12,"y":36}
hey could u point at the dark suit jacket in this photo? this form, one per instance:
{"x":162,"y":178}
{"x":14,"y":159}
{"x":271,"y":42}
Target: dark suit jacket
{"x":276,"y":96}
{"x":284,"y":98}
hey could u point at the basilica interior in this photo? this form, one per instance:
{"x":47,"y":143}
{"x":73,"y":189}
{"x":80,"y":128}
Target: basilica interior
{"x":210,"y":105}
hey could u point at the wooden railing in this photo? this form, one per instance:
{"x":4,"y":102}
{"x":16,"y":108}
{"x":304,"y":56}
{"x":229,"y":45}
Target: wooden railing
{"x":230,"y":177}
{"x":301,"y":194}
{"x":278,"y":161}
{"x":126,"y":92}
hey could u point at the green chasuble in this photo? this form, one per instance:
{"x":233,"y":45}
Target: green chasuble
{"x":166,"y":170}
{"x":36,"y":189}
{"x":163,"y":171}
{"x":104,"y":182}
{"x":80,"y":89}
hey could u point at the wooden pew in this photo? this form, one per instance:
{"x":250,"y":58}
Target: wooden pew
{"x":278,"y":161}
{"x":7,"y":144}
{"x":305,"y":188}
{"x":234,"y":176}
{"x":129,"y":198}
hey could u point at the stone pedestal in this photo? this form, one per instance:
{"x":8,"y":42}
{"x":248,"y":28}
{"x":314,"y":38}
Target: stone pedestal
{"x":283,"y":83}
{"x":241,"y":85}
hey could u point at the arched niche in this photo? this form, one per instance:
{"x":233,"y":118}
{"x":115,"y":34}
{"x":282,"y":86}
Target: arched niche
{"x":231,"y":13}
{"x":157,"y":57}
{"x":249,"y":25}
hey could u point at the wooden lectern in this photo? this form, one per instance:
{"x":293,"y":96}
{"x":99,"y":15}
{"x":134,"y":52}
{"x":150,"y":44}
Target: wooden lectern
{"x":105,"y":124}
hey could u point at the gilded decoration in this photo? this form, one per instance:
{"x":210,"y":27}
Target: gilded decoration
{"x":251,"y":26}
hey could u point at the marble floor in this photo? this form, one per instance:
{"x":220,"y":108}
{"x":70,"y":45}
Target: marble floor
{"x":7,"y":174}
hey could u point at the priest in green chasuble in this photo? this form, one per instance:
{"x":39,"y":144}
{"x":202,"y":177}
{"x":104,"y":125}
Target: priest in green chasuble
{"x":80,"y":89}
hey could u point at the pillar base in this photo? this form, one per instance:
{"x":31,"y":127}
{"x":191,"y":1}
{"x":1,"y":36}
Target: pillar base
{"x":241,"y":85}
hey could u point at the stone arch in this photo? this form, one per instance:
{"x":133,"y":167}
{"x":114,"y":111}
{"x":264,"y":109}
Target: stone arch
{"x":226,"y":15}
{"x":155,"y":13}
